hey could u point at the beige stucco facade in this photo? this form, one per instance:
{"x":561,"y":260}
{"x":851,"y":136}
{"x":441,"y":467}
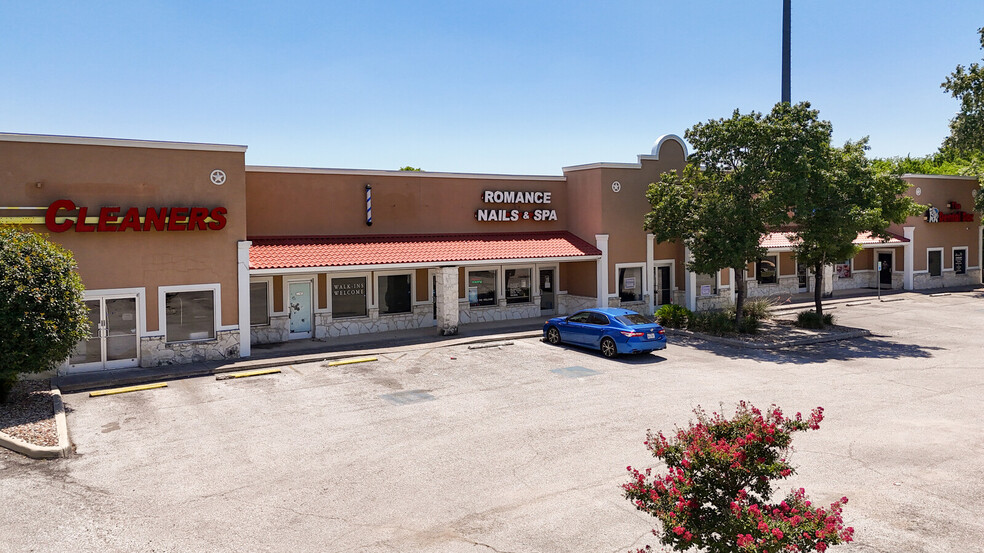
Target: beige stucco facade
{"x":603,"y":204}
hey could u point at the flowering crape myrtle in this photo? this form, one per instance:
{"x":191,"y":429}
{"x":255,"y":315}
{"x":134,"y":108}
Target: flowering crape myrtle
{"x":717,"y":492}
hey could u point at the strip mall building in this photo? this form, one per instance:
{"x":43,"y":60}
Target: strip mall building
{"x":187,"y":253}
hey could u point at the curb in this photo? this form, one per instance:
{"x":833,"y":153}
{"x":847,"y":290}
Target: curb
{"x":857,"y":333}
{"x":39,"y":451}
{"x":331,"y":356}
{"x":174,"y":372}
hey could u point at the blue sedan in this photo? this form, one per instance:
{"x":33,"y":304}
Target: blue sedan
{"x":609,"y":329}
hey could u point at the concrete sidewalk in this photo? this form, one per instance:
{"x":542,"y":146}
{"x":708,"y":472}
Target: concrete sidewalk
{"x":800,"y":302}
{"x":306,"y":351}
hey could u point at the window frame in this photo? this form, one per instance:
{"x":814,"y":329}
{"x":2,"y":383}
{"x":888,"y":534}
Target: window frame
{"x":269,"y":284}
{"x":497,"y":279}
{"x":377,"y":304}
{"x":953,"y":260}
{"x":929,"y":271}
{"x":643,"y":282}
{"x":331,"y":296}
{"x":717,"y":285}
{"x":215,"y":288}
{"x":533,"y":275}
{"x":775,"y":268}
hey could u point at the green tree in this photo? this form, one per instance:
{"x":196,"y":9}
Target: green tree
{"x":966,"y":84}
{"x":836,"y":193}
{"x":724,"y":201}
{"x":42,"y":312}
{"x":410,"y":168}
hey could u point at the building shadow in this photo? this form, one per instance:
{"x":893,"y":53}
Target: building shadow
{"x":871,"y":347}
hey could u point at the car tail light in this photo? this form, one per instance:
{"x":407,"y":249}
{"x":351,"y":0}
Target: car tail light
{"x":661,"y":331}
{"x":631,"y":334}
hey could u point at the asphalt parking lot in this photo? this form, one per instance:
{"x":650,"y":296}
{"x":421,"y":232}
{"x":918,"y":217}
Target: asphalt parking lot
{"x":513,"y":448}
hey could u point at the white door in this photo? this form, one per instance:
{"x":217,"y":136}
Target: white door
{"x":113,"y":341}
{"x":301,"y":309}
{"x":803,"y":277}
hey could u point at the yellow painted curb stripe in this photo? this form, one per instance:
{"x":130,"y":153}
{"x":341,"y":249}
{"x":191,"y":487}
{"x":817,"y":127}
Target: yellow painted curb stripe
{"x":128,"y":389}
{"x":255,"y":372}
{"x":350,"y":361}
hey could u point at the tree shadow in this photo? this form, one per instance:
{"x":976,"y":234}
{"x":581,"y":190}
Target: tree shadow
{"x":871,"y":347}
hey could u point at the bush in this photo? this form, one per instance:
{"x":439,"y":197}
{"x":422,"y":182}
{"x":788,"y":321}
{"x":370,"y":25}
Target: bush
{"x":712,"y":322}
{"x":673,"y":316}
{"x":759,"y":309}
{"x":42,"y":311}
{"x":749,"y":325}
{"x":809,"y":319}
{"x":717,"y":492}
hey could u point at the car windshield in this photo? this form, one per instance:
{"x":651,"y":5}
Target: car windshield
{"x":634,"y":319}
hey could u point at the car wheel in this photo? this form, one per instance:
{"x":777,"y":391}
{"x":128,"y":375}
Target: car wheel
{"x":553,"y":335}
{"x":608,"y":348}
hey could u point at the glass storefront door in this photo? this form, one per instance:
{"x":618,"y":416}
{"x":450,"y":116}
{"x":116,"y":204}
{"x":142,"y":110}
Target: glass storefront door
{"x":113,"y":341}
{"x":548,"y":291}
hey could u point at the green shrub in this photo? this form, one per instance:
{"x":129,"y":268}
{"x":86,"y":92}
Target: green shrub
{"x":809,"y":319}
{"x":42,"y":308}
{"x":749,"y":325}
{"x":712,"y":322}
{"x":759,"y":309}
{"x":673,"y":316}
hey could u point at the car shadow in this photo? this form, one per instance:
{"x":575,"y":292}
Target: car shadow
{"x":624,"y":358}
{"x":870,"y":347}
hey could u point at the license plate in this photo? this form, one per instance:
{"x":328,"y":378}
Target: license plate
{"x":651,"y":336}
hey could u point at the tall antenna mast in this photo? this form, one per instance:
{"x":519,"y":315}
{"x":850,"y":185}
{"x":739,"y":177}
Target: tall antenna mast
{"x":785,"y":50}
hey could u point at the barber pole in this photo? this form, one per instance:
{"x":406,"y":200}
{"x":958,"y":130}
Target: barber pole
{"x":368,"y":205}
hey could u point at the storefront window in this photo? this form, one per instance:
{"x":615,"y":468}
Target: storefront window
{"x":517,"y":285}
{"x":960,"y":262}
{"x":630,"y":284}
{"x":935,"y":262}
{"x":189,"y":315}
{"x":765,"y":269}
{"x":259,"y":308}
{"x":348,"y":297}
{"x":394,"y":294}
{"x":706,"y":285}
{"x":481,"y":288}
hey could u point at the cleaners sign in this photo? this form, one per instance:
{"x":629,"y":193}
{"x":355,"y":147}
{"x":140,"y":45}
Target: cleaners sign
{"x":517,"y":199}
{"x":117,"y":219}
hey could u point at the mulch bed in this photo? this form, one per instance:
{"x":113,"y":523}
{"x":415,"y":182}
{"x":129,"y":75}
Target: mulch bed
{"x":29,"y":413}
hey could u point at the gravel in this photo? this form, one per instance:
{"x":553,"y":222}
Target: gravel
{"x":29,"y":413}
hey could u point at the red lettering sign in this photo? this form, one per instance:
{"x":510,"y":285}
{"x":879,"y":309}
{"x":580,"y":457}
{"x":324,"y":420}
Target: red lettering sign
{"x":157,"y":218}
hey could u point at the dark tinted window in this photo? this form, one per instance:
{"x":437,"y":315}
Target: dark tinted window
{"x":935,"y":263}
{"x":634,"y":319}
{"x":597,"y":319}
{"x":579,"y":317}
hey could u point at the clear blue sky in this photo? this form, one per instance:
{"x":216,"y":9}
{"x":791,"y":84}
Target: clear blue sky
{"x":502,"y":87}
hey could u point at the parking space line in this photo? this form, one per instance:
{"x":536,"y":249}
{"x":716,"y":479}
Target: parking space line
{"x":245,"y":374}
{"x":128,"y":389}
{"x":350,"y":361}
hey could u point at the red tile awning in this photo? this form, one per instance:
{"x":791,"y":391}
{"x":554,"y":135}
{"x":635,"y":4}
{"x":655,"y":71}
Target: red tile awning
{"x":371,"y":250}
{"x":783,"y":240}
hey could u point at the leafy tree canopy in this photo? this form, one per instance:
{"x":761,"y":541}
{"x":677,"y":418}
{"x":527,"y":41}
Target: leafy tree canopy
{"x":738,"y":184}
{"x":966,"y":84}
{"x":42,"y":312}
{"x":410,"y":168}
